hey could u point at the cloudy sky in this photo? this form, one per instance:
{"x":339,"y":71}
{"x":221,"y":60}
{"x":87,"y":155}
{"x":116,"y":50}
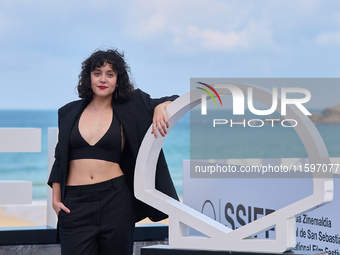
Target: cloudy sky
{"x":42,"y":43}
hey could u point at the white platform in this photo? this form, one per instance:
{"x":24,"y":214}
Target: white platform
{"x":20,"y":139}
{"x":15,"y":192}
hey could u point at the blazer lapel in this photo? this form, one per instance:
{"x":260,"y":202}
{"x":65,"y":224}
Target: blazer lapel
{"x":65,"y":127}
{"x":127,"y":119}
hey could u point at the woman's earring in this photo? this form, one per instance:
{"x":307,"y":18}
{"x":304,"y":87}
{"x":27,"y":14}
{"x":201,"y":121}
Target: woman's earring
{"x":116,"y":94}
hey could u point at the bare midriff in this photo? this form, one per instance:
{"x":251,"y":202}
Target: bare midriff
{"x":90,"y":171}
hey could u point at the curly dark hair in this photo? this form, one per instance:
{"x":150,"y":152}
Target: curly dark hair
{"x":98,"y":59}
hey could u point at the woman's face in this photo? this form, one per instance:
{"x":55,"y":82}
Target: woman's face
{"x":103,"y":81}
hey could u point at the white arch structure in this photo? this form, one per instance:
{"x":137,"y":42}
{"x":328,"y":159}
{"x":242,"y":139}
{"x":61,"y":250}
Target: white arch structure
{"x":220,"y":237}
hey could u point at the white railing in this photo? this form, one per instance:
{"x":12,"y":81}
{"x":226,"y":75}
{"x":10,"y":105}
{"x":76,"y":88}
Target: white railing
{"x":18,"y":140}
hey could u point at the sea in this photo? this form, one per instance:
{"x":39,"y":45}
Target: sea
{"x":33,"y":166}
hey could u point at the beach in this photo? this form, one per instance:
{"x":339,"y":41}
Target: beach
{"x":32,"y":215}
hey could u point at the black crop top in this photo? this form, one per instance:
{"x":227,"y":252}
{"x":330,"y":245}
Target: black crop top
{"x":108,"y":148}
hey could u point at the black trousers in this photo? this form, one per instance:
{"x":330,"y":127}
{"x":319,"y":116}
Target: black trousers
{"x":101,"y":221}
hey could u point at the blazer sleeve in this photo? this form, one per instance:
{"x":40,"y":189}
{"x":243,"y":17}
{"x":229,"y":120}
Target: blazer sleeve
{"x":163,"y":181}
{"x":55,"y":171}
{"x":151,"y":103}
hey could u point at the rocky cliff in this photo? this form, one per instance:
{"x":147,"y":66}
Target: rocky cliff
{"x":329,"y":116}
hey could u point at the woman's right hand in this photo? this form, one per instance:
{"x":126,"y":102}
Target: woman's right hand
{"x":56,"y":198}
{"x":57,"y":206}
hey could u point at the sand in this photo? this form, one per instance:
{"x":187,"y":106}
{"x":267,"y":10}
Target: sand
{"x":147,"y":220}
{"x":23,"y":215}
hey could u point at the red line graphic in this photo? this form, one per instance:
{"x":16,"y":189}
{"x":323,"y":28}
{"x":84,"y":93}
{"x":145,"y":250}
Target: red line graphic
{"x":210,"y":87}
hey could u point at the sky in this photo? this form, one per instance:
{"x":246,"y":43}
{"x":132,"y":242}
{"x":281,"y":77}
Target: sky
{"x":42,"y":44}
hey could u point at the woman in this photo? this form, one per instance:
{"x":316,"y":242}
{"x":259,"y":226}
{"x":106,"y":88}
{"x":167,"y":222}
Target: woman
{"x":99,"y":138}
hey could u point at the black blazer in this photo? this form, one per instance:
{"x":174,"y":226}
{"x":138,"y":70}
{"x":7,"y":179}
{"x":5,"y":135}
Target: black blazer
{"x":135,"y":116}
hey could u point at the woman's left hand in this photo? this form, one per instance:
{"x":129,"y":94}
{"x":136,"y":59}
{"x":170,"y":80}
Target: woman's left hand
{"x":160,"y":120}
